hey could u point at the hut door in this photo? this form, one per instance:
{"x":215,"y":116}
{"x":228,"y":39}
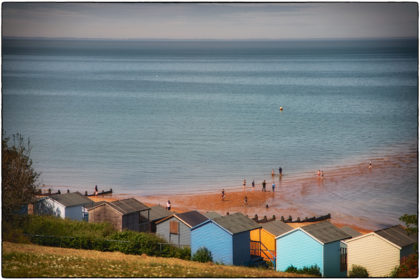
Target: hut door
{"x":174,"y":227}
{"x":174,"y":230}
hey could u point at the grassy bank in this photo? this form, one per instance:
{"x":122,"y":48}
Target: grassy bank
{"x":53,"y":231}
{"x":27,"y":260}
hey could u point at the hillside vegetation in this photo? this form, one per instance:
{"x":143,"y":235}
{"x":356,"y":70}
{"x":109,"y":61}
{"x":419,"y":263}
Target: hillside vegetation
{"x":28,"y":260}
{"x":57,"y":232}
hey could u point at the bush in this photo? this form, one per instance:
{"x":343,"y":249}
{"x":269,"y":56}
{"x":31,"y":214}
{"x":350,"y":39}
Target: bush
{"x":49,"y":225}
{"x":311,"y":270}
{"x":291,"y":269}
{"x":408,"y":268}
{"x":183,"y":253}
{"x":13,"y":234}
{"x":202,"y":255}
{"x":358,"y":271}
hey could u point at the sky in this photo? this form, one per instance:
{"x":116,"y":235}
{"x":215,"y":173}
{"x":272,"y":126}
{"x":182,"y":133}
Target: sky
{"x":211,"y":20}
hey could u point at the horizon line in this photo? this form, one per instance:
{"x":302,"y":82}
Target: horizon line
{"x":206,"y":39}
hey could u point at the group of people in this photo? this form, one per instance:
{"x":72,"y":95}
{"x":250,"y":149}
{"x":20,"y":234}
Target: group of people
{"x":263,"y":184}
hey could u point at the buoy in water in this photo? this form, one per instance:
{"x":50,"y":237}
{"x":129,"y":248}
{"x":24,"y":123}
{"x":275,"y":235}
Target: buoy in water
{"x":281,"y":108}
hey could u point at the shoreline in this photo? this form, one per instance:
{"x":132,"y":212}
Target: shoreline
{"x":290,"y":197}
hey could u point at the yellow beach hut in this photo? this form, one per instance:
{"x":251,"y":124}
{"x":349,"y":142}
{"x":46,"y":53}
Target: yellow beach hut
{"x":267,"y":234}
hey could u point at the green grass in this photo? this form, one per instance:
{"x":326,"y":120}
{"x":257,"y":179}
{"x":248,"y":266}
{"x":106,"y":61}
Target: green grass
{"x":27,"y":260}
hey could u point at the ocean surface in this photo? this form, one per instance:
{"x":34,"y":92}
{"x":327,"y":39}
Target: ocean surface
{"x":157,"y":117}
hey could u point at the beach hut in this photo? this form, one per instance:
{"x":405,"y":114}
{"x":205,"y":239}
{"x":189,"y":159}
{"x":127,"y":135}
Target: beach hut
{"x":226,"y":237}
{"x":380,"y":251}
{"x":125,"y":214}
{"x":67,"y":206}
{"x":263,"y":241}
{"x":315,"y":244}
{"x":157,"y":213}
{"x":176,"y":229}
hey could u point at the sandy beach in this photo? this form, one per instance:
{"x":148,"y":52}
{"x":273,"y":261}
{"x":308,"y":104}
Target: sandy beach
{"x":233,"y":202}
{"x":297,"y":195}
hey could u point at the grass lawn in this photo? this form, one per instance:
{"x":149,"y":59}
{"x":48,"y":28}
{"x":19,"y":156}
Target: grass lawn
{"x":28,"y":260}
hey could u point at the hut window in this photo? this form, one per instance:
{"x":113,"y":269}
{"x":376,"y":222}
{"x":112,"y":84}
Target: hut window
{"x":174,"y":227}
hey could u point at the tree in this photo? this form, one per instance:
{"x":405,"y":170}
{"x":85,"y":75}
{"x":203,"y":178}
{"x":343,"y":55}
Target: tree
{"x":411,"y":222}
{"x":19,"y":179}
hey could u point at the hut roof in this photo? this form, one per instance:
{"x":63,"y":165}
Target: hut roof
{"x":326,"y":232}
{"x":236,"y":223}
{"x":397,"y":235}
{"x":96,"y":203}
{"x":276,"y":227}
{"x":350,"y":231}
{"x":212,"y":215}
{"x":158,"y":212}
{"x":127,"y":206}
{"x":72,"y":199}
{"x":192,"y":218}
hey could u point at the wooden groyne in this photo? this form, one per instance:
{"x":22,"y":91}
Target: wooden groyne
{"x":290,"y":219}
{"x":49,"y":193}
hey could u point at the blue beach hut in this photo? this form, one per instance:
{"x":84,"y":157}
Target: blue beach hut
{"x":316,"y":244}
{"x":227,"y":237}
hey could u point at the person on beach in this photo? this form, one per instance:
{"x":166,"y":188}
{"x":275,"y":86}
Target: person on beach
{"x":244,"y":183}
{"x":272,"y":173}
{"x":168,"y":205}
{"x":280,"y":171}
{"x":263,"y":185}
{"x":370,"y":164}
{"x":322,"y":174}
{"x":246,"y":200}
{"x":223,"y":194}
{"x":273,"y":186}
{"x":96,"y":189}
{"x":253,"y":184}
{"x":319,"y":173}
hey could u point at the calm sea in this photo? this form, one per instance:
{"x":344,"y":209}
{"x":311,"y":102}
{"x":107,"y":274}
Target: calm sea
{"x":153,"y":117}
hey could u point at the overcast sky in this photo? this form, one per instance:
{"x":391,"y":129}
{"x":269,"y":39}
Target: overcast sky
{"x":210,"y":21}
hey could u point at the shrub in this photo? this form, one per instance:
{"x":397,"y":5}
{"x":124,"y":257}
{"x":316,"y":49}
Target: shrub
{"x":408,"y":268}
{"x":311,"y":270}
{"x":183,"y":253}
{"x":291,"y":269}
{"x":202,"y":255}
{"x":13,"y":234}
{"x":358,"y":271}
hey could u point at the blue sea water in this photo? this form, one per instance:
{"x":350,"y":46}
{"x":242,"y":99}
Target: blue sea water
{"x":153,"y":117}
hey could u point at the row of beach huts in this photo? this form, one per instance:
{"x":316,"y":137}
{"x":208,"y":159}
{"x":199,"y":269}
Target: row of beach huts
{"x":236,"y":239}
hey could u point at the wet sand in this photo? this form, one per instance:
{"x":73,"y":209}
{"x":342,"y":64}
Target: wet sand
{"x":308,"y":195}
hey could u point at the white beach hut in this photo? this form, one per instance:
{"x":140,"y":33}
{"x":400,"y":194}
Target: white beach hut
{"x":380,"y":251}
{"x":70,"y":205}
